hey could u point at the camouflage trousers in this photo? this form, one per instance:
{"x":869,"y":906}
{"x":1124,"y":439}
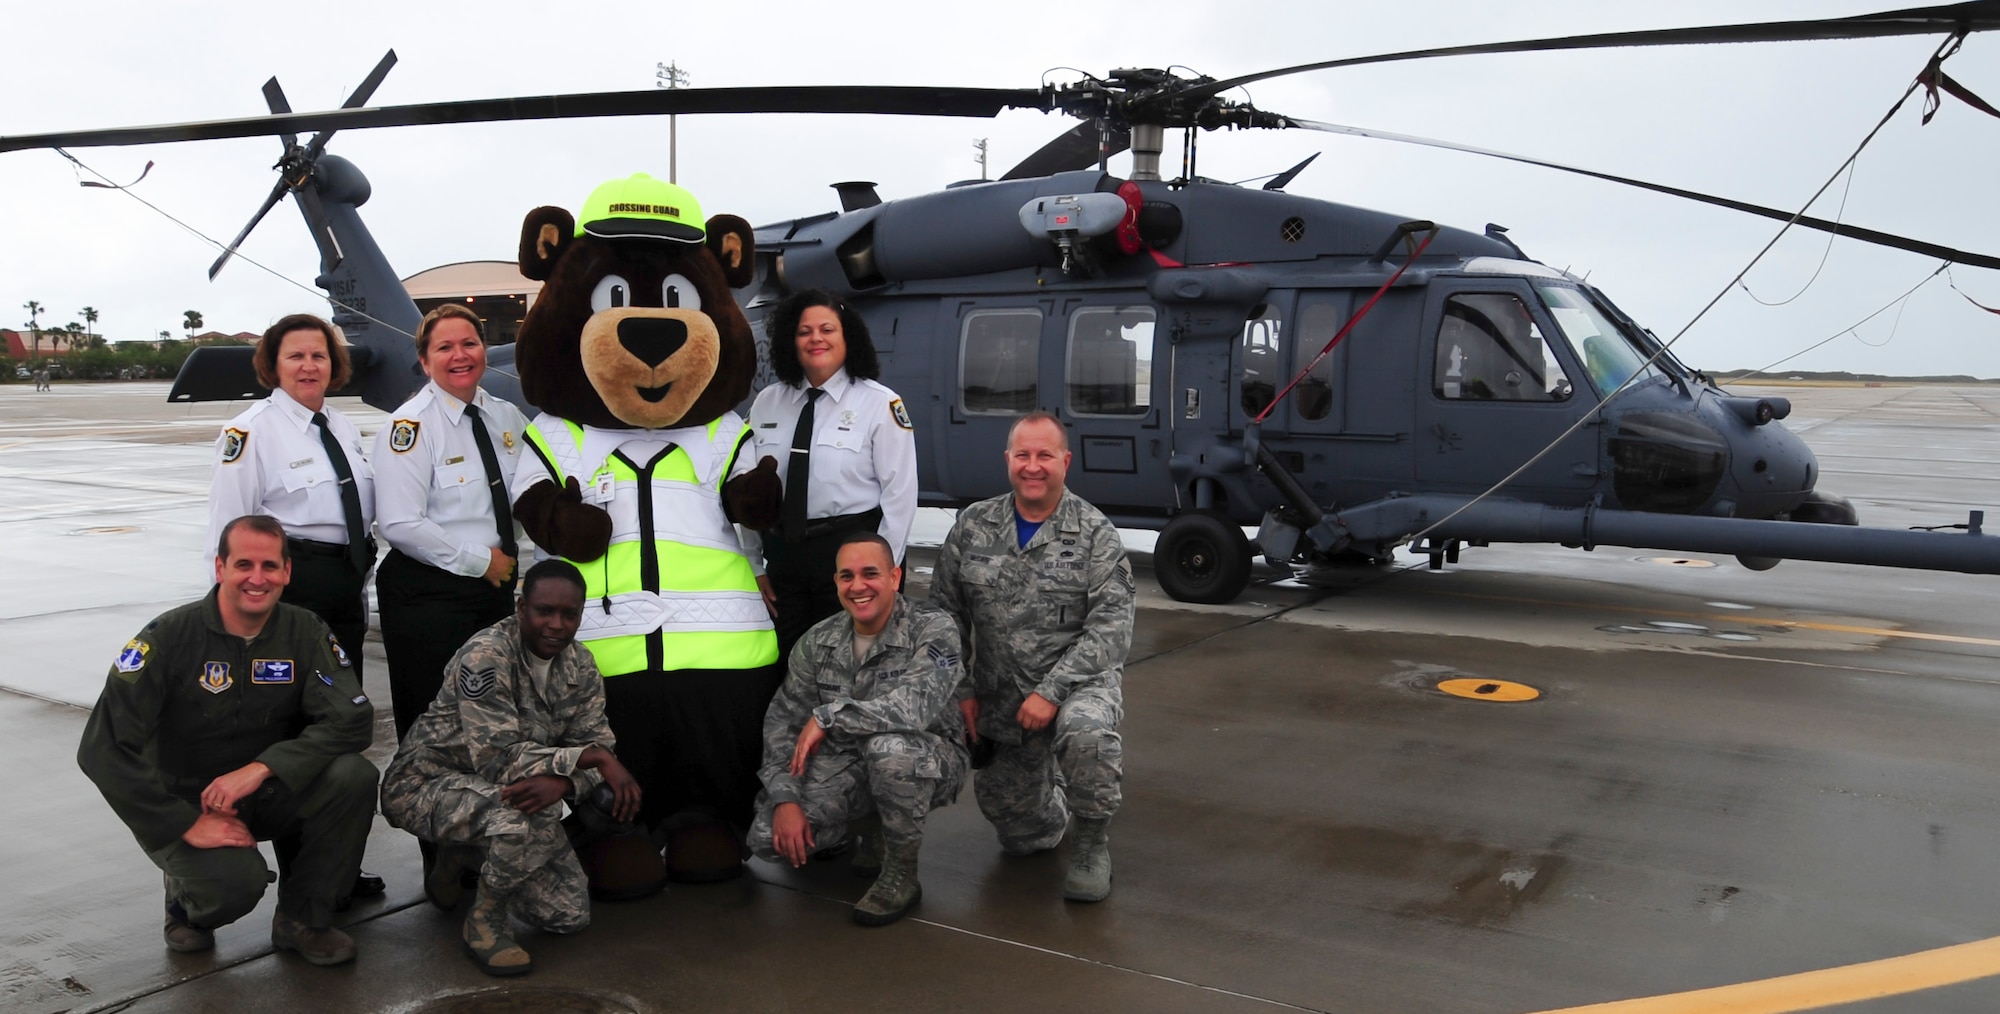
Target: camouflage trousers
{"x":527,"y":857}
{"x":901,"y":776}
{"x":1074,"y":764}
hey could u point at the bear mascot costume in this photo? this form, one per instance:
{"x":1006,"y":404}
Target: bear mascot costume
{"x":636,"y":352}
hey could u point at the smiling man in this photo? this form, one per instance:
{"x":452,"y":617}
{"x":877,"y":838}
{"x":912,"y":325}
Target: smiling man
{"x":233,"y":720}
{"x":864,"y":731}
{"x":1041,"y":589}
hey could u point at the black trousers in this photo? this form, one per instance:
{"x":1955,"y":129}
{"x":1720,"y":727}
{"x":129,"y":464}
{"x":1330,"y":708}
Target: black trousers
{"x":801,"y":574}
{"x":427,"y":615}
{"x":324,"y":582}
{"x":693,"y":738}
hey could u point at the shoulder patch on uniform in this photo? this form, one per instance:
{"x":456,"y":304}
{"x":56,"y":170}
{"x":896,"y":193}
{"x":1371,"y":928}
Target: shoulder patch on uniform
{"x":133,"y":658}
{"x":901,"y":414}
{"x":403,"y":435}
{"x":339,"y":653}
{"x":943,"y":659}
{"x":476,"y":684}
{"x":215,"y":677}
{"x":271,"y":670}
{"x":234,"y":443}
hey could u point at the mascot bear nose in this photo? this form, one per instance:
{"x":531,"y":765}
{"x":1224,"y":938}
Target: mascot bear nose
{"x":652,"y":339}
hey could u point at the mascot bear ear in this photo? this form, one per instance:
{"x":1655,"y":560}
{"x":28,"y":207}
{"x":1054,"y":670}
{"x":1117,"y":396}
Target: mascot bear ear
{"x":545,"y":234}
{"x":732,"y":242}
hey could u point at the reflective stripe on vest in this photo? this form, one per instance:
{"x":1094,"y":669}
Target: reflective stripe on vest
{"x":687,"y":598}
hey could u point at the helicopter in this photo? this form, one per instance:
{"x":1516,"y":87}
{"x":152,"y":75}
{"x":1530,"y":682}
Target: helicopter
{"x":1347,"y":381}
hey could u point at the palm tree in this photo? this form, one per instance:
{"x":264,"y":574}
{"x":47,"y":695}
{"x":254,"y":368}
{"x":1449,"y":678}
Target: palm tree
{"x":34,"y":309}
{"x":89,"y":320}
{"x":191,"y":320}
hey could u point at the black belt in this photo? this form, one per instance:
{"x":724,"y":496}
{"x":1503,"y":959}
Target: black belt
{"x":842,"y":524}
{"x":310,"y":547}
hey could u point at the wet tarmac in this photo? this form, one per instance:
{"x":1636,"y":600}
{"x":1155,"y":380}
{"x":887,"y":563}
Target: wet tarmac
{"x":1783,"y":783}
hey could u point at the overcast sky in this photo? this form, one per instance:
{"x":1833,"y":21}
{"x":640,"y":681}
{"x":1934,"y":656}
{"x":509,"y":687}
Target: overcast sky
{"x":1765,"y":123}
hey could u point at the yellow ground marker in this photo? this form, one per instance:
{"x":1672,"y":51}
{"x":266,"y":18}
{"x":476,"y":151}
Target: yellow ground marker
{"x":1827,"y":987}
{"x":1489,"y":690}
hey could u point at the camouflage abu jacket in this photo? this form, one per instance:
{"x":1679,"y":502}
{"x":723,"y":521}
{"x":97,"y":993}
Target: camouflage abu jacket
{"x":1048,"y":618}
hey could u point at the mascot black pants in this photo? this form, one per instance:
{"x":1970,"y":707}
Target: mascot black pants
{"x":693,"y":738}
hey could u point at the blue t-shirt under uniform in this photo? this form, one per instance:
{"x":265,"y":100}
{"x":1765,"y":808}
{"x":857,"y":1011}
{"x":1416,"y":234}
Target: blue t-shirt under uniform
{"x":1024,"y":529}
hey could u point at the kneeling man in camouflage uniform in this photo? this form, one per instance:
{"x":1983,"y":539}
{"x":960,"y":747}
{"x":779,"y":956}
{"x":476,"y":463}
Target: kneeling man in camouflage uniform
{"x":864,"y":730}
{"x":517,"y":728}
{"x":1040,"y":587}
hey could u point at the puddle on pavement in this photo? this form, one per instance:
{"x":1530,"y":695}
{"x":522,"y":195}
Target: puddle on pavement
{"x":528,"y":1000}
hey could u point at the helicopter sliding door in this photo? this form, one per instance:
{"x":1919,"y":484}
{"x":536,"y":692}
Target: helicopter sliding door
{"x":1089,"y":361}
{"x":1499,"y":391}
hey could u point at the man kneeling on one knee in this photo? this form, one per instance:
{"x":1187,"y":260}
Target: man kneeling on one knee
{"x":864,"y":732}
{"x":517,"y":728}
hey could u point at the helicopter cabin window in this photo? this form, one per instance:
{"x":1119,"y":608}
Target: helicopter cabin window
{"x":1319,"y":321}
{"x":1490,"y":349}
{"x":1109,"y":369}
{"x":1263,"y":371}
{"x":997,"y":361}
{"x":1609,"y":358}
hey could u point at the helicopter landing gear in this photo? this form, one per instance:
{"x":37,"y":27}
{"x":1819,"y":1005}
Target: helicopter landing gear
{"x":1202,"y":557}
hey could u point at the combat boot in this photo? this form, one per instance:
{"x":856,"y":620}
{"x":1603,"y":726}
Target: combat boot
{"x":1089,"y":861}
{"x":488,"y":939}
{"x":444,"y":885}
{"x":184,"y":936}
{"x":323,"y":946}
{"x":867,"y":839}
{"x":896,"y":891}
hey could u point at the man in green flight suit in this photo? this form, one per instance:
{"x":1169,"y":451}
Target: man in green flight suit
{"x":232,"y":720}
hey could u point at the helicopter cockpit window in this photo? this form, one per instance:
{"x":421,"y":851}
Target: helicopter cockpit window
{"x":1263,"y":369}
{"x":1489,"y":349}
{"x":1319,"y":321}
{"x":1109,"y":368}
{"x":997,"y":361}
{"x":1608,"y":356}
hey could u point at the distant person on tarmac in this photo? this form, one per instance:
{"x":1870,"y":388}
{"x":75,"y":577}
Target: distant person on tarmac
{"x":233,"y":720}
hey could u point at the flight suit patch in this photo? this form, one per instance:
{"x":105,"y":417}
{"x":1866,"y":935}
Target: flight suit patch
{"x":215,"y":677}
{"x":133,"y":658}
{"x":403,"y":435}
{"x":234,"y":443}
{"x":476,"y":684}
{"x":901,"y":414}
{"x":339,"y":653}
{"x":271,"y":670}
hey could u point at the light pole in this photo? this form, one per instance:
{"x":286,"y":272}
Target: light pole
{"x":979,"y":145}
{"x":670,"y":76}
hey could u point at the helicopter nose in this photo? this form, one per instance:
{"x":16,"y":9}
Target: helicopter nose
{"x":652,"y":339}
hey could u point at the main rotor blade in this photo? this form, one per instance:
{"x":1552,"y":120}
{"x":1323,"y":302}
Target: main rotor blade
{"x":354,"y":101}
{"x":277,"y":194}
{"x":871,"y":99}
{"x":1973,"y":16}
{"x":1075,"y":148}
{"x":274,"y":97}
{"x":1838,"y":229}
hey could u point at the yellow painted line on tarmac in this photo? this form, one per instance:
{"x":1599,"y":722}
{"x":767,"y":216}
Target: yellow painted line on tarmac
{"x":1827,"y":987}
{"x":1738,"y":619}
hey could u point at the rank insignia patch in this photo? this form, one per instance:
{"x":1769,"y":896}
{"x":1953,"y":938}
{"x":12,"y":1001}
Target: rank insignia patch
{"x":363,"y":699}
{"x":403,"y":435}
{"x":943,"y":660}
{"x":339,"y":653}
{"x":476,"y":684}
{"x":133,"y":658}
{"x":271,"y":670}
{"x":234,"y":443}
{"x":902,"y":414}
{"x":215,"y":677}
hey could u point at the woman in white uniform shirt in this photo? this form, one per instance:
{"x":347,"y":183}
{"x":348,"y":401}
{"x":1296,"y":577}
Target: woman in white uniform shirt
{"x":299,"y":460}
{"x":853,"y":468}
{"x":453,"y":542}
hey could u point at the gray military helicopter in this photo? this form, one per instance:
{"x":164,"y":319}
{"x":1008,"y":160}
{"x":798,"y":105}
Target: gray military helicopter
{"x":1347,"y":380}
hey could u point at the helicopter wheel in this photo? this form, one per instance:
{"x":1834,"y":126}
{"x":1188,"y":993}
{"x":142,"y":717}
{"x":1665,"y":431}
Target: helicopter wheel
{"x":1201,"y":557}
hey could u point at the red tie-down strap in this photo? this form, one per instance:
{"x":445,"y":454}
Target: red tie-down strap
{"x":1934,"y":78}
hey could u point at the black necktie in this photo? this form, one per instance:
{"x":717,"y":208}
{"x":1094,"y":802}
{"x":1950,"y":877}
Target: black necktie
{"x":496,"y":484}
{"x":798,"y":472}
{"x":350,"y":497}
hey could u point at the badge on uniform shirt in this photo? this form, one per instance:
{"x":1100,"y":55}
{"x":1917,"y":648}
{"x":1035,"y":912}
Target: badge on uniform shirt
{"x":507,"y":438}
{"x":359,"y":699}
{"x":339,"y":653}
{"x":476,"y":684}
{"x":403,"y":435}
{"x":847,"y":418}
{"x":324,"y":678}
{"x":133,"y":658}
{"x":234,"y":442}
{"x":902,"y":414}
{"x":215,"y":677}
{"x":271,"y":670}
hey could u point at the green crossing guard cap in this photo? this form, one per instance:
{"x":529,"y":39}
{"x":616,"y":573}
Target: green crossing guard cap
{"x":641,"y":207}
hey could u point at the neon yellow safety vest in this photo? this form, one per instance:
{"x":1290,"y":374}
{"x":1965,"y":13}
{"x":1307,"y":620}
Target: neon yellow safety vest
{"x":685,"y":598}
